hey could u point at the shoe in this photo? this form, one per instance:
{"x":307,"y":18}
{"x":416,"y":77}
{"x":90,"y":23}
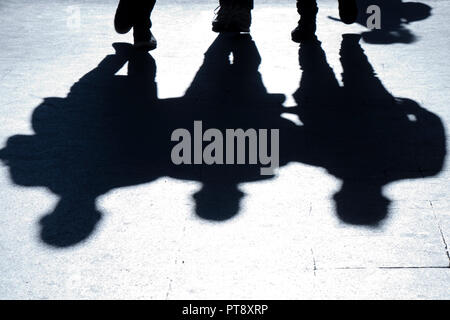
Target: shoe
{"x":222,"y":19}
{"x":305,"y":30}
{"x":144,"y":39}
{"x":348,"y":11}
{"x":232,"y":19}
{"x":241,"y":20}
{"x":123,"y":19}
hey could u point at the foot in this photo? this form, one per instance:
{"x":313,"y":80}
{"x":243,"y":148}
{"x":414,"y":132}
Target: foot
{"x":123,"y":20}
{"x":222,"y":19}
{"x":144,"y":39}
{"x":305,"y":31}
{"x":232,"y":19}
{"x":348,"y":11}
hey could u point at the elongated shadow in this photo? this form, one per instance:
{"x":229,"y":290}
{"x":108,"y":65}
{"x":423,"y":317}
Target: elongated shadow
{"x":227,"y":92}
{"x":112,"y":131}
{"x":361,"y":133}
{"x":88,"y":143}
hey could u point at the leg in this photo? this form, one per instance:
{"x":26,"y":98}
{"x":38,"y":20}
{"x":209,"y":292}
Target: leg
{"x":306,"y":28}
{"x":233,"y":16}
{"x":143,"y":11}
{"x":136,"y":14}
{"x":348,"y":11}
{"x":123,"y":20}
{"x":235,"y":3}
{"x":143,"y":37}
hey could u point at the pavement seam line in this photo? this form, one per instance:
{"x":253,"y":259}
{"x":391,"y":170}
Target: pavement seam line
{"x":441,"y":233}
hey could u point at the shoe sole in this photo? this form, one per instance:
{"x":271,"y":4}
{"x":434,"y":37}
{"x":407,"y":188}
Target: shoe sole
{"x":122,"y":31}
{"x":145,"y":46}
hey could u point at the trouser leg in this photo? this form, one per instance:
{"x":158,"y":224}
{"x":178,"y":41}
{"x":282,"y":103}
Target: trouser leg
{"x":143,"y":37}
{"x":142,"y":15}
{"x":241,"y":3}
{"x":306,"y":28}
{"x":307,"y":8}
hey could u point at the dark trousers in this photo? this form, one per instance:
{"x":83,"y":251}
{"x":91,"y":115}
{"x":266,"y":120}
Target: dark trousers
{"x":307,"y":7}
{"x":145,"y":7}
{"x":241,"y":3}
{"x":142,"y":11}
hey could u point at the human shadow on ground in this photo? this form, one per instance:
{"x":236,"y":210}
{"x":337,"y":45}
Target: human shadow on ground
{"x":361,"y":133}
{"x":112,"y":131}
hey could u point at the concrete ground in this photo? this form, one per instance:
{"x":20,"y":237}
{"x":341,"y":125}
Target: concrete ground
{"x":92,"y":207}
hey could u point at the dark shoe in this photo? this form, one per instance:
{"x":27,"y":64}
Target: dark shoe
{"x":232,"y":19}
{"x":348,"y":11}
{"x":305,"y":31}
{"x":144,"y":39}
{"x":306,"y":28}
{"x":241,"y":20}
{"x":222,"y":19}
{"x":123,"y":20}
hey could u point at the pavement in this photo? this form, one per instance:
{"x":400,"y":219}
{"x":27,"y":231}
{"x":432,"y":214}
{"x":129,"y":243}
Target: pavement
{"x":93,"y":207}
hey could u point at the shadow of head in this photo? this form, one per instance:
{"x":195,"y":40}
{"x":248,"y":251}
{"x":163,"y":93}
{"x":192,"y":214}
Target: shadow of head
{"x":218,"y":202}
{"x":359,"y":203}
{"x":71,"y":222}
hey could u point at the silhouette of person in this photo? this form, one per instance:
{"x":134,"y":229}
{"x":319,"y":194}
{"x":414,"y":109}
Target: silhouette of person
{"x":112,"y":131}
{"x":229,"y":93}
{"x":233,"y":16}
{"x":361,"y":133}
{"x":86,"y":144}
{"x":135,"y":15}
